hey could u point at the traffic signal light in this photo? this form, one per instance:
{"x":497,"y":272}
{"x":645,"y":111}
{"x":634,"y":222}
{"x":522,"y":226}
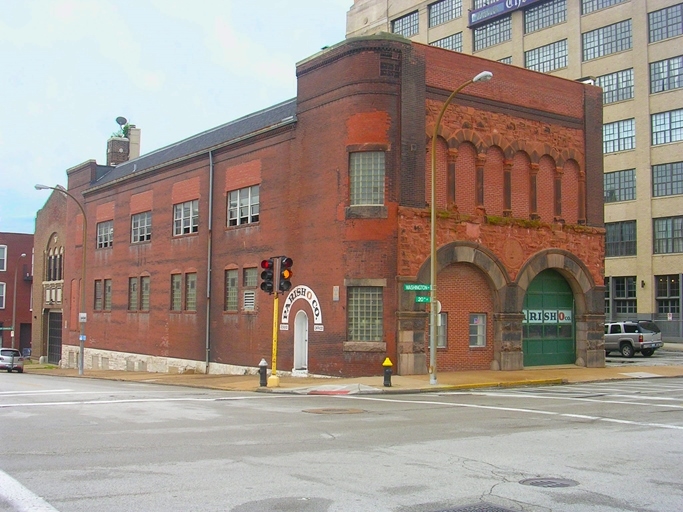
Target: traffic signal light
{"x":268,"y":275}
{"x":285,"y":273}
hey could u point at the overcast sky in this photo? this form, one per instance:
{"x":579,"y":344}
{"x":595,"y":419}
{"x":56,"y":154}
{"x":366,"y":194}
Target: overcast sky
{"x":173,"y":68}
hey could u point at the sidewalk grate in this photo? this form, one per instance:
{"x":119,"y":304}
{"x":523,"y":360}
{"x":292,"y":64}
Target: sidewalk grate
{"x":479,"y":507}
{"x":549,"y":483}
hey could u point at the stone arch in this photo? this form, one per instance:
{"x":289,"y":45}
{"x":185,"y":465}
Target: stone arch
{"x":474,"y":254}
{"x":570,"y":267}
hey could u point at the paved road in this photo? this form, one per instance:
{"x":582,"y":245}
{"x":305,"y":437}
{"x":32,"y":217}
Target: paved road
{"x":84,"y":445}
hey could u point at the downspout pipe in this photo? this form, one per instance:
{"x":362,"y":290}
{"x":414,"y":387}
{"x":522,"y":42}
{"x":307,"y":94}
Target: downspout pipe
{"x":208,"y":266}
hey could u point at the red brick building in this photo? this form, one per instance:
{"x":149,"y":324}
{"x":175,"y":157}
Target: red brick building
{"x":339,"y":180}
{"x":16,"y":256}
{"x":48,"y":283}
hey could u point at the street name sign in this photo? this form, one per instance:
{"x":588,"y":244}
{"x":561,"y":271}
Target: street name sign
{"x":416,"y":287}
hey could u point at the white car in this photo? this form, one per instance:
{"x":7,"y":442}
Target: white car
{"x":11,"y":359}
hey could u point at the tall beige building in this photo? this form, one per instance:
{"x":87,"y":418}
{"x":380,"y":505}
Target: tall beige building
{"x":633,"y":49}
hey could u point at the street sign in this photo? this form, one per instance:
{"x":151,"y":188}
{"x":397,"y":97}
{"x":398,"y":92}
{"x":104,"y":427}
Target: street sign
{"x":6,"y":328}
{"x":421,"y":298}
{"x":416,"y":287}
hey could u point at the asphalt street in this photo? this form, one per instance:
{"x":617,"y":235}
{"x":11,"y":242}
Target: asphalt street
{"x":81,"y":445}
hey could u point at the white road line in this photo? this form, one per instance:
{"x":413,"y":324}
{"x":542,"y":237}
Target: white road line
{"x":139,"y":400}
{"x":571,"y":398}
{"x":512,"y":409}
{"x":20,"y":498}
{"x":26,"y":393}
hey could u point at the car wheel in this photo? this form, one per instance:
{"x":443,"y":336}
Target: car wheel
{"x":626,"y":350}
{"x":9,"y":371}
{"x":647,"y":352}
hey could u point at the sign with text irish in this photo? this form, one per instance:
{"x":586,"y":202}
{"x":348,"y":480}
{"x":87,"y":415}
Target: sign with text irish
{"x":547,"y":316}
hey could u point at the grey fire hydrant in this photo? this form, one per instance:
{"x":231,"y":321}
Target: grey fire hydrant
{"x":387,"y":372}
{"x":263,"y":373}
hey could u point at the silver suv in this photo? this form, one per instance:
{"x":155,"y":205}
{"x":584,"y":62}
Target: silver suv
{"x":631,"y":337}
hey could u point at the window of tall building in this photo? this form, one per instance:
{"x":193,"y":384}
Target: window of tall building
{"x":443,"y":11}
{"x":243,"y":206}
{"x":668,"y":235}
{"x":406,"y":26}
{"x":588,"y":6}
{"x":3,"y":258}
{"x":620,"y":186}
{"x":668,"y":295}
{"x":506,"y":60}
{"x":667,"y":127}
{"x":230,"y":290}
{"x":176,"y":292}
{"x":186,"y":218}
{"x":667,"y":179}
{"x":132,"y":293}
{"x":666,"y":23}
{"x":478,"y":4}
{"x":493,"y":33}
{"x":452,"y":42}
{"x":616,"y":86}
{"x":619,"y":136}
{"x":620,"y":238}
{"x":97,"y":303}
{"x":606,"y":282}
{"x":141,"y":227}
{"x":191,"y":291}
{"x":250,"y":281}
{"x":145,"y":289}
{"x":607,"y":40}
{"x":547,"y":58}
{"x":366,"y":176}
{"x":105,"y":234}
{"x":2,"y":295}
{"x":107,"y":294}
{"x":365,"y":313}
{"x":625,"y":294}
{"x":545,"y":15}
{"x":477,"y":329}
{"x":666,"y":75}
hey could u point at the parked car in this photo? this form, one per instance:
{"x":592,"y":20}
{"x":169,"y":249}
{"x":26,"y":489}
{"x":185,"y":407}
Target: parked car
{"x":10,"y":359}
{"x":631,"y":337}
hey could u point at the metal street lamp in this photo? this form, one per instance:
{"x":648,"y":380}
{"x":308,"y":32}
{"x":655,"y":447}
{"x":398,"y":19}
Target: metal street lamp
{"x":14,"y":298}
{"x":82,"y":316}
{"x":484,"y":76}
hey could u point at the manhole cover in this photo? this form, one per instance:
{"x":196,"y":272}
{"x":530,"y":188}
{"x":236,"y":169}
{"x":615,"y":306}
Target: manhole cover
{"x":479,"y":507}
{"x":334,"y":411}
{"x":549,"y":482}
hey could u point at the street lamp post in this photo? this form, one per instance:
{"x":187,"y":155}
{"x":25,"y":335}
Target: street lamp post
{"x":14,"y":298}
{"x":484,"y":76}
{"x":82,"y":316}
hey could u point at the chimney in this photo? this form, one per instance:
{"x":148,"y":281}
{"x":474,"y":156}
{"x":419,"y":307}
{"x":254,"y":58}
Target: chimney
{"x":118,"y":150}
{"x":134,"y":141}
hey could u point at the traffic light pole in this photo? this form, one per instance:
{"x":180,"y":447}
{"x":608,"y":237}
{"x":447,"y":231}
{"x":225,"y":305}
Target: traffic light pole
{"x":274,"y":380}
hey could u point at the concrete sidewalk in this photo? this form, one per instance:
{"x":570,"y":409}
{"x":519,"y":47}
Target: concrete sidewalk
{"x":374,"y":385}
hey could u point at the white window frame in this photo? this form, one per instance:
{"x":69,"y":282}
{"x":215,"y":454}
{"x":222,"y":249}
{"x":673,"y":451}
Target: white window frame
{"x":478,"y":324}
{"x":243,"y":206}
{"x":3,"y":289}
{"x":105,"y":234}
{"x":3,"y":258}
{"x":442,"y":330}
{"x":141,"y":227}
{"x":186,"y":218}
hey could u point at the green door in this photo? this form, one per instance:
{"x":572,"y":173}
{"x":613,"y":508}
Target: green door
{"x":548,"y":329}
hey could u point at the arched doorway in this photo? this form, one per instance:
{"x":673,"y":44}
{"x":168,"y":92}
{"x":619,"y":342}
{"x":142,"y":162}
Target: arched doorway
{"x":301,"y":342}
{"x":548,"y":331}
